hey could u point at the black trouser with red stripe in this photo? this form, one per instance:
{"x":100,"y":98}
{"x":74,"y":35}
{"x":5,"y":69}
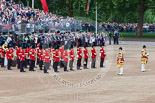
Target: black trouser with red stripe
{"x":26,"y":63}
{"x":2,"y":62}
{"x":56,"y":66}
{"x":61,"y":63}
{"x":85,"y":63}
{"x":32,"y":65}
{"x":41,"y":64}
{"x":18,"y":62}
{"x":78,"y":63}
{"x":46,"y":66}
{"x":101,"y":62}
{"x":9,"y":63}
{"x":22,"y":64}
{"x":65,"y":65}
{"x":71,"y":64}
{"x":37,"y":60}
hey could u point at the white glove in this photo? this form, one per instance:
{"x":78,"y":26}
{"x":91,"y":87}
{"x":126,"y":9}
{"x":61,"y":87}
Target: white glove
{"x":147,"y":54}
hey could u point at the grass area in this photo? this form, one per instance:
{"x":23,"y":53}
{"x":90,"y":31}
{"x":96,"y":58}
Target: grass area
{"x":133,"y":35}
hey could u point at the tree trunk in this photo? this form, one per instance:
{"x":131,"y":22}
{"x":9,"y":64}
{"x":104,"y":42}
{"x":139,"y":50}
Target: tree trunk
{"x":70,"y":10}
{"x":142,"y":9}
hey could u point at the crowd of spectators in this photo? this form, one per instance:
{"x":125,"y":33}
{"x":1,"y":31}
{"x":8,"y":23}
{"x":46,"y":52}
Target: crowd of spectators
{"x":12,"y":13}
{"x":127,"y":27}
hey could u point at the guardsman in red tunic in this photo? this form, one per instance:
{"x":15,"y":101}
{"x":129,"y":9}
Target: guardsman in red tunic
{"x":102,"y":55}
{"x":22,"y":58}
{"x":32,"y":58}
{"x":61,"y":56}
{"x":42,"y":57}
{"x":46,"y":60}
{"x":79,"y":56}
{"x":18,"y":53}
{"x":56,"y":59}
{"x":26,"y":56}
{"x":54,"y":53}
{"x":29,"y":49}
{"x":37,"y":50}
{"x":93,"y":51}
{"x":65,"y":58}
{"x":71,"y":57}
{"x":86,"y":54}
{"x":9,"y":56}
{"x":2,"y":53}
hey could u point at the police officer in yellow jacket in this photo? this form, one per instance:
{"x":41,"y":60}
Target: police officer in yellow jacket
{"x":120,"y":61}
{"x":144,"y":58}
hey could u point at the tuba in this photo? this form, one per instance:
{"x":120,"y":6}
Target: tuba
{"x":5,"y":47}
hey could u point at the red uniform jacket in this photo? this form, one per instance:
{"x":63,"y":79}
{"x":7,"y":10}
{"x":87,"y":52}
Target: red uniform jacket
{"x":54,"y":54}
{"x":32,"y":56}
{"x":93,"y":53}
{"x":102,"y":53}
{"x":19,"y":53}
{"x":42,"y":55}
{"x":71,"y":54}
{"x":12,"y":50}
{"x":57,"y":56}
{"x":3,"y":53}
{"x":86,"y":54}
{"x":38,"y":53}
{"x":61,"y":52}
{"x":65,"y":56}
{"x":47,"y":56}
{"x":79,"y":53}
{"x":26,"y":52}
{"x":9,"y":54}
{"x":22,"y":56}
{"x":1,"y":49}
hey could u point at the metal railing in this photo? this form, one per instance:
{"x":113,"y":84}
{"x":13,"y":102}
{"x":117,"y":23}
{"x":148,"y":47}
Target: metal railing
{"x":40,"y":27}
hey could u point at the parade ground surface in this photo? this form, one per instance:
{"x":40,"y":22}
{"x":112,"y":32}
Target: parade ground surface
{"x":100,"y":85}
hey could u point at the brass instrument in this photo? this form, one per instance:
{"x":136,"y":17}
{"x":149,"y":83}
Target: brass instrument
{"x":5,"y":47}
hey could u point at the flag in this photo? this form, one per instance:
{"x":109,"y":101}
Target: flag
{"x":89,"y":5}
{"x":45,"y":7}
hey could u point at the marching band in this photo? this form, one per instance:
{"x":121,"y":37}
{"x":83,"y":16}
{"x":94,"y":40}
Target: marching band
{"x":60,"y":53}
